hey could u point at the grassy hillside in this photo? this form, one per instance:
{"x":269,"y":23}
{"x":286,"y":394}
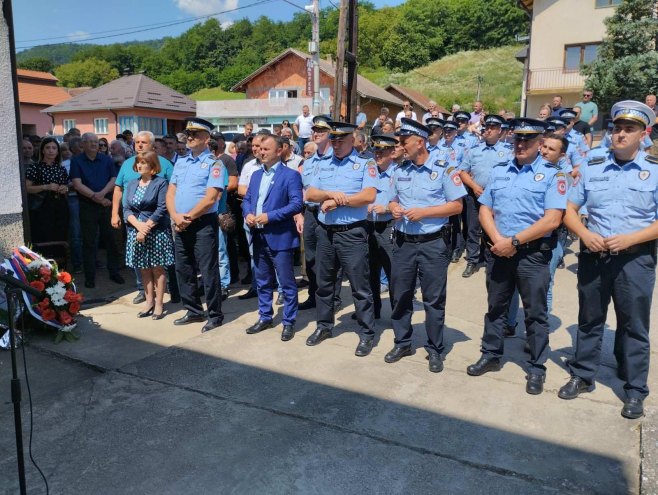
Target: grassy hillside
{"x":216,"y":94}
{"x":454,"y":79}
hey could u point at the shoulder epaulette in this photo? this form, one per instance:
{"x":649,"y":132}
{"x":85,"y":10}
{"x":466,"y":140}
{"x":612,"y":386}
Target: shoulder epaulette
{"x":552,"y":165}
{"x":440,"y":163}
{"x":651,"y":159}
{"x":596,"y":160}
{"x":501,"y":164}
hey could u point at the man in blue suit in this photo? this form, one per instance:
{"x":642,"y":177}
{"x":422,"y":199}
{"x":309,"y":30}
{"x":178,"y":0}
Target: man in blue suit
{"x":273,"y":199}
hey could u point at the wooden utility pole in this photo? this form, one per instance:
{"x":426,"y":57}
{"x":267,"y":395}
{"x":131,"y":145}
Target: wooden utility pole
{"x":350,"y":56}
{"x":340,"y":61}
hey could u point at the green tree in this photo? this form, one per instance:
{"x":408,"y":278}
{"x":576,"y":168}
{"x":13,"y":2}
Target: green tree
{"x":91,"y":72}
{"x":41,"y":64}
{"x":627,"y":64}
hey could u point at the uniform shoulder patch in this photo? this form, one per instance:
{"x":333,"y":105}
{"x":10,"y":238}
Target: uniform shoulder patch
{"x":652,"y":159}
{"x":560,"y":175}
{"x":596,"y":160}
{"x":450,"y":170}
{"x":440,"y":163}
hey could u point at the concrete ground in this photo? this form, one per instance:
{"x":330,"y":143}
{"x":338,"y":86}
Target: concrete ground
{"x":140,"y":406}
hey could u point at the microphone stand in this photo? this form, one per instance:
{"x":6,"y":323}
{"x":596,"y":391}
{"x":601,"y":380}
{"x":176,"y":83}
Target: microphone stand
{"x":13,"y":288}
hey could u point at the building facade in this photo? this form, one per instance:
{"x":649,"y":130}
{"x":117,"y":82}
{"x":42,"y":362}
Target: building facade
{"x":564,"y":35}
{"x":37,"y":91}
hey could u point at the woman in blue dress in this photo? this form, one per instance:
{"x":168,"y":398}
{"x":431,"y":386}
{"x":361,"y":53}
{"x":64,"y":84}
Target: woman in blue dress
{"x":149,"y":246}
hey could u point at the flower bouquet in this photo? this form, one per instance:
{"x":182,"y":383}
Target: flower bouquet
{"x":59,"y":301}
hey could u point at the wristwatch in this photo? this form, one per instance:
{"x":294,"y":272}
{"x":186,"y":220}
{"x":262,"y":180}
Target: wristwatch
{"x":515,"y":241}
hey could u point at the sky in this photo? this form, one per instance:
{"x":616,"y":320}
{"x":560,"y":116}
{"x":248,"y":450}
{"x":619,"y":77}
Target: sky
{"x":39,"y":22}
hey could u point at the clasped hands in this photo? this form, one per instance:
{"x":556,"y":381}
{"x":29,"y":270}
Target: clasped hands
{"x":100,"y":199}
{"x":56,"y":188}
{"x":336,"y":199}
{"x":181,"y":221}
{"x":256,"y":220}
{"x":596,"y":243}
{"x":412,"y":214}
{"x":143,"y":229}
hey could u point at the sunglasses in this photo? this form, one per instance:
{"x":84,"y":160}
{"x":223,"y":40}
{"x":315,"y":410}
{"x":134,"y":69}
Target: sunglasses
{"x":585,"y":95}
{"x":192,"y":134}
{"x":338,"y":137}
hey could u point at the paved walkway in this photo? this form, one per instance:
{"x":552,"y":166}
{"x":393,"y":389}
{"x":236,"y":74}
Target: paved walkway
{"x":140,"y":406}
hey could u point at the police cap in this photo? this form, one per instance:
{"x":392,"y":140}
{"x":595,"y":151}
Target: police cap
{"x":496,"y":120}
{"x":434,"y":122}
{"x":321,"y":123}
{"x":339,"y":129}
{"x":528,"y":128}
{"x":409,"y":127}
{"x":198,"y":124}
{"x":383,"y":141}
{"x":461,"y":115}
{"x":634,"y":111}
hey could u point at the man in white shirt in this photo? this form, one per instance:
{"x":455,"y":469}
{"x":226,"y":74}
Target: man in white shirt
{"x":302,"y":126}
{"x":406,"y":105}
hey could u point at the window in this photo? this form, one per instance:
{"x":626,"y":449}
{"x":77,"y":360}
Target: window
{"x":100,"y":126}
{"x":155,"y":125}
{"x":68,"y":124}
{"x":282,"y":94}
{"x":576,"y":56}
{"x":606,"y":3}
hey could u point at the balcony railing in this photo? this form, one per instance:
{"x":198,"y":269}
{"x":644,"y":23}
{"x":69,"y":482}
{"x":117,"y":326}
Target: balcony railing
{"x":555,"y":78}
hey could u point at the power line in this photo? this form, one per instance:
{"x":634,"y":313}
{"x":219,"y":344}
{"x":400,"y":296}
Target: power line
{"x":140,"y":29}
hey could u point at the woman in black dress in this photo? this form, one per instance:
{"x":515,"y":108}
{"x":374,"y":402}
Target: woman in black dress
{"x":47,"y":188}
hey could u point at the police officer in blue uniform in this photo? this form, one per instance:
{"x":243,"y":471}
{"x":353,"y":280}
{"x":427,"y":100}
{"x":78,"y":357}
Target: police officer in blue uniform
{"x":475,"y":171}
{"x":320,"y":136}
{"x":344,"y":187}
{"x":572,"y":135}
{"x":426,"y":190}
{"x":380,"y":220}
{"x":192,"y":201}
{"x":435,"y":125}
{"x":617,"y":256}
{"x":521,"y":207}
{"x":464,"y":136}
{"x":573,"y":158}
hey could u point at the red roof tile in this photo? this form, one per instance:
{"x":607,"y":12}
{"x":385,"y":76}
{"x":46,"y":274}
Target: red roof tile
{"x":40,"y":94}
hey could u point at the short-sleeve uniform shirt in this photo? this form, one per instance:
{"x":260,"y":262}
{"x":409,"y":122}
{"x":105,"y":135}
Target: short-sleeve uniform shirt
{"x":193,"y":176}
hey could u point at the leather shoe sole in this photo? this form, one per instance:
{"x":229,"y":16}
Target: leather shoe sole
{"x":535,"y":384}
{"x":397,"y":353}
{"x":317,"y":337}
{"x":573,"y":388}
{"x":187,"y":319}
{"x":484,"y":365}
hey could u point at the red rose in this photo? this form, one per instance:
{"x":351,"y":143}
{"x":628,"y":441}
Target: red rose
{"x":48,"y":314}
{"x":64,"y":277}
{"x":74,"y":307}
{"x":44,"y":273}
{"x":64,"y":318}
{"x":44,"y":304}
{"x":38,"y":285}
{"x":69,"y":296}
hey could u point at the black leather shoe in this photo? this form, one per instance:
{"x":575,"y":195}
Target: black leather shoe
{"x":633,"y":408}
{"x":139,"y":298}
{"x":189,"y":318}
{"x":250,"y":294}
{"x":456,"y":255}
{"x":535,"y":384}
{"x":225,"y":293}
{"x":318,"y":336}
{"x":288,"y":333}
{"x":510,"y":330}
{"x":246,"y":280}
{"x":117,"y":279}
{"x":301,"y":283}
{"x":144,"y":314}
{"x":484,"y":365}
{"x":436,"y":363}
{"x":279,"y":300}
{"x":211,"y":325}
{"x":364,"y":347}
{"x":174,"y":299}
{"x":259,"y":326}
{"x":470,"y":269}
{"x":308,"y":304}
{"x":397,"y":353}
{"x":573,"y":388}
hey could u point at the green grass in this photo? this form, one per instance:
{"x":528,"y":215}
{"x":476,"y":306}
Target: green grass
{"x":453,"y":79}
{"x":216,"y":94}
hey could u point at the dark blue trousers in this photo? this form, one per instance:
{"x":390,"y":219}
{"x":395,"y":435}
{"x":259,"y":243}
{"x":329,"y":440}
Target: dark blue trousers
{"x":310,"y":248}
{"x":528,"y":271}
{"x":429,"y":262}
{"x":627,"y":279}
{"x":348,"y":250}
{"x":197,"y":246}
{"x":474,"y":248}
{"x":380,"y":252}
{"x":268,"y":264}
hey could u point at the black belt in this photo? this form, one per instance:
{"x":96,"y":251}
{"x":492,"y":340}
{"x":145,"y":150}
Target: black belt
{"x":648,"y":247}
{"x":543,"y":244}
{"x":343,"y":228}
{"x":312,"y":208}
{"x":443,"y":233}
{"x":379,"y":225}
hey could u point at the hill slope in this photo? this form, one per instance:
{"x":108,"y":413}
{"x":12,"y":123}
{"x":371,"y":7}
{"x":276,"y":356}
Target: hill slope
{"x":454,"y":79}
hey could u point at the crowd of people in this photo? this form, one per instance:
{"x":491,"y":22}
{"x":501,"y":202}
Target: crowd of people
{"x":388,"y":211}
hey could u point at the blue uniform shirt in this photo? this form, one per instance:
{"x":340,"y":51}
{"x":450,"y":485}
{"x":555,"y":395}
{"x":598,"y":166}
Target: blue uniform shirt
{"x":470,"y":140}
{"x":519,"y":197}
{"x":384,"y":181}
{"x":578,"y":140}
{"x":350,"y":175}
{"x":619,"y":199}
{"x":479,"y":161}
{"x":193,"y":176}
{"x":310,"y":168}
{"x":265,"y":183}
{"x":453,"y":152}
{"x":434,"y":183}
